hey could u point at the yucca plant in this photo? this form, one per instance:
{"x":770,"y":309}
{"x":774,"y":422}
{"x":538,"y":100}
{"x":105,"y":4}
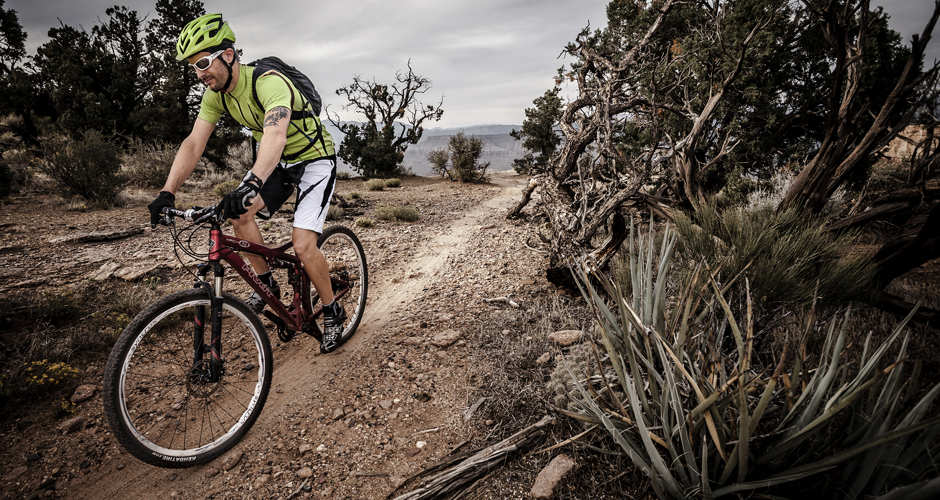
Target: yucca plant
{"x":681,"y":389}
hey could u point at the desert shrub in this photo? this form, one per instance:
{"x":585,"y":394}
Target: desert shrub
{"x":684,"y":392}
{"x":14,"y":174}
{"x":365,"y":222}
{"x":791,"y":257}
{"x":207,"y":175}
{"x":239,"y":157}
{"x":88,"y":167}
{"x":147,"y":165}
{"x":343,"y":175}
{"x":335,"y":212}
{"x":225,"y":187}
{"x":375,"y":184}
{"x":394,"y":182}
{"x":14,"y":159}
{"x":461,"y":161}
{"x":49,"y":330}
{"x":388,"y":212}
{"x":438,"y":159}
{"x":355,"y":195}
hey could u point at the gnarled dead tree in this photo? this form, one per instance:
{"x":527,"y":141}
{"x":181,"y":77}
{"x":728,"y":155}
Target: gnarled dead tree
{"x":682,"y":102}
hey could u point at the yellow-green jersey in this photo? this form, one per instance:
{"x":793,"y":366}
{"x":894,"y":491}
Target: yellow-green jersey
{"x":307,"y":139}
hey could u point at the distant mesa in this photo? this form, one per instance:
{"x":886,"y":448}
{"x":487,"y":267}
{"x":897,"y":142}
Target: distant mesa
{"x":499,"y":148}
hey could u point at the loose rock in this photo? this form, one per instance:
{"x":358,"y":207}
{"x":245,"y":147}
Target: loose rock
{"x":73,"y":424}
{"x":83,"y":393}
{"x":385,"y":404}
{"x":304,"y":448}
{"x":445,"y":338}
{"x":565,"y":338}
{"x":305,"y":472}
{"x":338,"y":414}
{"x":543,"y":359}
{"x":549,"y":478}
{"x":233,"y":460}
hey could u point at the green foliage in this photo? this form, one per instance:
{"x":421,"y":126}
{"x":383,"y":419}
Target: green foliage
{"x":393,"y":121}
{"x":439,"y":159}
{"x":374,"y":184}
{"x":365,"y":222}
{"x":393,"y":182}
{"x":461,"y":160}
{"x":88,"y":167}
{"x":689,"y":392}
{"x":796,"y":259}
{"x":539,"y":134}
{"x":406,"y":214}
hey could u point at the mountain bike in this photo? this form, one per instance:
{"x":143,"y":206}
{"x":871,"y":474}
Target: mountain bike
{"x":190,"y":374}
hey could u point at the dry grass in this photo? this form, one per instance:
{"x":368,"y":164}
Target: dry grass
{"x":365,"y":222}
{"x":59,"y":328}
{"x":375,"y":184}
{"x":393,"y":183}
{"x":406,"y":214}
{"x":335,"y":212}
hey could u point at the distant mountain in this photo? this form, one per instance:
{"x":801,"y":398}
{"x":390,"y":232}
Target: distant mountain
{"x":499,"y":148}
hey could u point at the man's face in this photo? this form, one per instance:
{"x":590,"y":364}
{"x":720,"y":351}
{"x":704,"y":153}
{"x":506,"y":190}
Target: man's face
{"x":215,"y":76}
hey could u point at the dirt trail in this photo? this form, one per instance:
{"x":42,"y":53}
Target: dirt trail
{"x":307,"y":388}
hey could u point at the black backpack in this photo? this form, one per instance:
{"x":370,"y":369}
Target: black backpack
{"x":307,"y":91}
{"x":300,"y":80}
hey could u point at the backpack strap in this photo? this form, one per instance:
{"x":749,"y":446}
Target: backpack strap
{"x":294,"y":115}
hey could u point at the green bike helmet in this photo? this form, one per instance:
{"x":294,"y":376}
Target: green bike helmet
{"x":205,"y":33}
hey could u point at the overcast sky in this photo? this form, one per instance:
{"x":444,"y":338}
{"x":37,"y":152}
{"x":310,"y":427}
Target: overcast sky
{"x":487,"y":58}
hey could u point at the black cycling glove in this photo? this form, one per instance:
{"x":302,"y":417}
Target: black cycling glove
{"x":163,"y":200}
{"x":237,"y":202}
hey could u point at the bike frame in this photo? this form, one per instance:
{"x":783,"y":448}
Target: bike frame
{"x":223,"y":247}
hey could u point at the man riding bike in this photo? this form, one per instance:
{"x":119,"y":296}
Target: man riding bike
{"x":288,"y":158}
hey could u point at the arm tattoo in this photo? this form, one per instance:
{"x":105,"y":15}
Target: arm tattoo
{"x":273,"y":118}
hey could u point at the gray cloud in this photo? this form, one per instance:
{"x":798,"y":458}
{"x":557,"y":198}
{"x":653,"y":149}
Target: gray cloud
{"x":487,"y":58}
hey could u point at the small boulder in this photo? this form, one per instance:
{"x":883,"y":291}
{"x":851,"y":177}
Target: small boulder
{"x":105,"y":271}
{"x":566,"y":338}
{"x":549,"y":478}
{"x":83,"y":393}
{"x":73,"y":424}
{"x":232,"y":460}
{"x":445,"y":338}
{"x":338,"y":413}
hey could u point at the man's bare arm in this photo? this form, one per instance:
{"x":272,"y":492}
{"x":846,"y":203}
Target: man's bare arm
{"x":272,"y":142}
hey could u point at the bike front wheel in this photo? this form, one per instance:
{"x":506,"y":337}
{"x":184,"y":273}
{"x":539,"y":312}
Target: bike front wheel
{"x":173,"y":402}
{"x":349,"y":276}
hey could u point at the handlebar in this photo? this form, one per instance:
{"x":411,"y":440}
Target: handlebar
{"x":194,"y":214}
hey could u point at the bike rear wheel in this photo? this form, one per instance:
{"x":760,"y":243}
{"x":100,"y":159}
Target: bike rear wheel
{"x":170,"y":409}
{"x":349,"y":276}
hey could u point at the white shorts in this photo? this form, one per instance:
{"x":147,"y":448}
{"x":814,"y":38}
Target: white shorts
{"x":313,"y":183}
{"x":313,"y":195}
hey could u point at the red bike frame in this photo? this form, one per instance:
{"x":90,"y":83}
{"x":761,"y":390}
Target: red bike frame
{"x":225,"y":248}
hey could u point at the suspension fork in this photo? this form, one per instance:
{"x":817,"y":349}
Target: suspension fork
{"x":214,"y":314}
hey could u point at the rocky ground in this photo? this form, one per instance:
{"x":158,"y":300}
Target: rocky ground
{"x":353,"y":424}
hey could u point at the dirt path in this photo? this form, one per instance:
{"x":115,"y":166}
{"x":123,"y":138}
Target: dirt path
{"x":359,"y":409}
